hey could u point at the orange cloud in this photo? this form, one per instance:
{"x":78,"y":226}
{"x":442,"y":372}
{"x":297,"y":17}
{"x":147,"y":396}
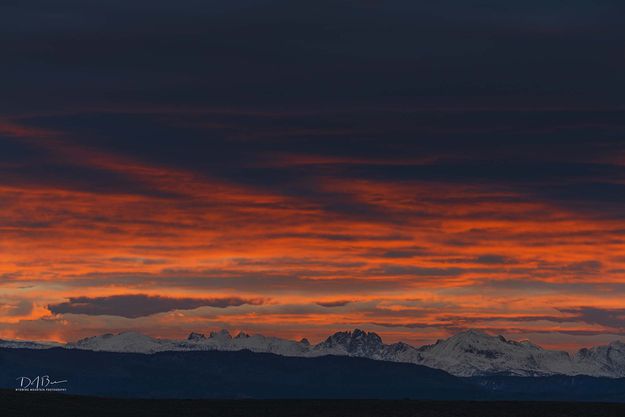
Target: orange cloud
{"x":460,"y":249}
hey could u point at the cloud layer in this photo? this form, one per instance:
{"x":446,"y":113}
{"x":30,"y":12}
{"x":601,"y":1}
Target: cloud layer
{"x":140,"y":305}
{"x":415,"y":167}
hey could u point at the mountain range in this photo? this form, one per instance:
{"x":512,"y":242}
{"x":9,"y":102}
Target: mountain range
{"x":467,"y":354}
{"x":242,"y":374}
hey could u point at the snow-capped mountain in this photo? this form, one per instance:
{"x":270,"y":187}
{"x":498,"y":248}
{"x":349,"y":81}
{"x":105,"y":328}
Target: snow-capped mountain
{"x":475,"y":353}
{"x":602,"y":360}
{"x":367,"y":345}
{"x":122,"y":342}
{"x":469,"y":353}
{"x":356,"y":343}
{"x":133,"y":342}
{"x":222,"y":340}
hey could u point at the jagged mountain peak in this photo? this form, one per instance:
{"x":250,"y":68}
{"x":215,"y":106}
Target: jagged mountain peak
{"x":354,"y":343}
{"x":222,"y":334}
{"x":614,"y":346}
{"x":196,"y":336}
{"x":607,"y":360}
{"x":356,"y":334}
{"x":472,"y":334}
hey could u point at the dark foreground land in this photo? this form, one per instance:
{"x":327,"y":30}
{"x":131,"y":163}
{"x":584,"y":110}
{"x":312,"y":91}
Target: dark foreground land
{"x":214,"y":375}
{"x":18,"y":404}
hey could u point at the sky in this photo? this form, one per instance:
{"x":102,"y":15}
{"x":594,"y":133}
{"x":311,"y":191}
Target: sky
{"x":300,"y":168}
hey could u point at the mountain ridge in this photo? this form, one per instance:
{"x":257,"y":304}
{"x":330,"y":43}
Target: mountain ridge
{"x":466,"y":354}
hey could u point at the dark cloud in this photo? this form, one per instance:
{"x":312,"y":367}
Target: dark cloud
{"x":142,"y":261}
{"x":227,"y":280}
{"x":324,"y":51}
{"x":140,"y":305}
{"x":534,"y":285}
{"x":444,"y":85}
{"x":614,"y":318}
{"x":452,"y":329}
{"x":342,"y":237}
{"x":578,"y":173}
{"x":493,"y":259}
{"x":585,"y":267}
{"x":417,"y":271}
{"x":408,"y":325}
{"x":330,"y":304}
{"x":404,"y":253}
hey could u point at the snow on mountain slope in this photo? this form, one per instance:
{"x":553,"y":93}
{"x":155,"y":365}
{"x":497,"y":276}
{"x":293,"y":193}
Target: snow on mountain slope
{"x":222,"y":340}
{"x":123,"y":342}
{"x":402,"y":352}
{"x":602,"y":360}
{"x":475,"y":353}
{"x":366,"y":345}
{"x":469,"y":353}
{"x":356,"y":343}
{"x":260,"y":343}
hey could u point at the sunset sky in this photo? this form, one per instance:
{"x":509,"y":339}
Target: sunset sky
{"x":298,"y":168}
